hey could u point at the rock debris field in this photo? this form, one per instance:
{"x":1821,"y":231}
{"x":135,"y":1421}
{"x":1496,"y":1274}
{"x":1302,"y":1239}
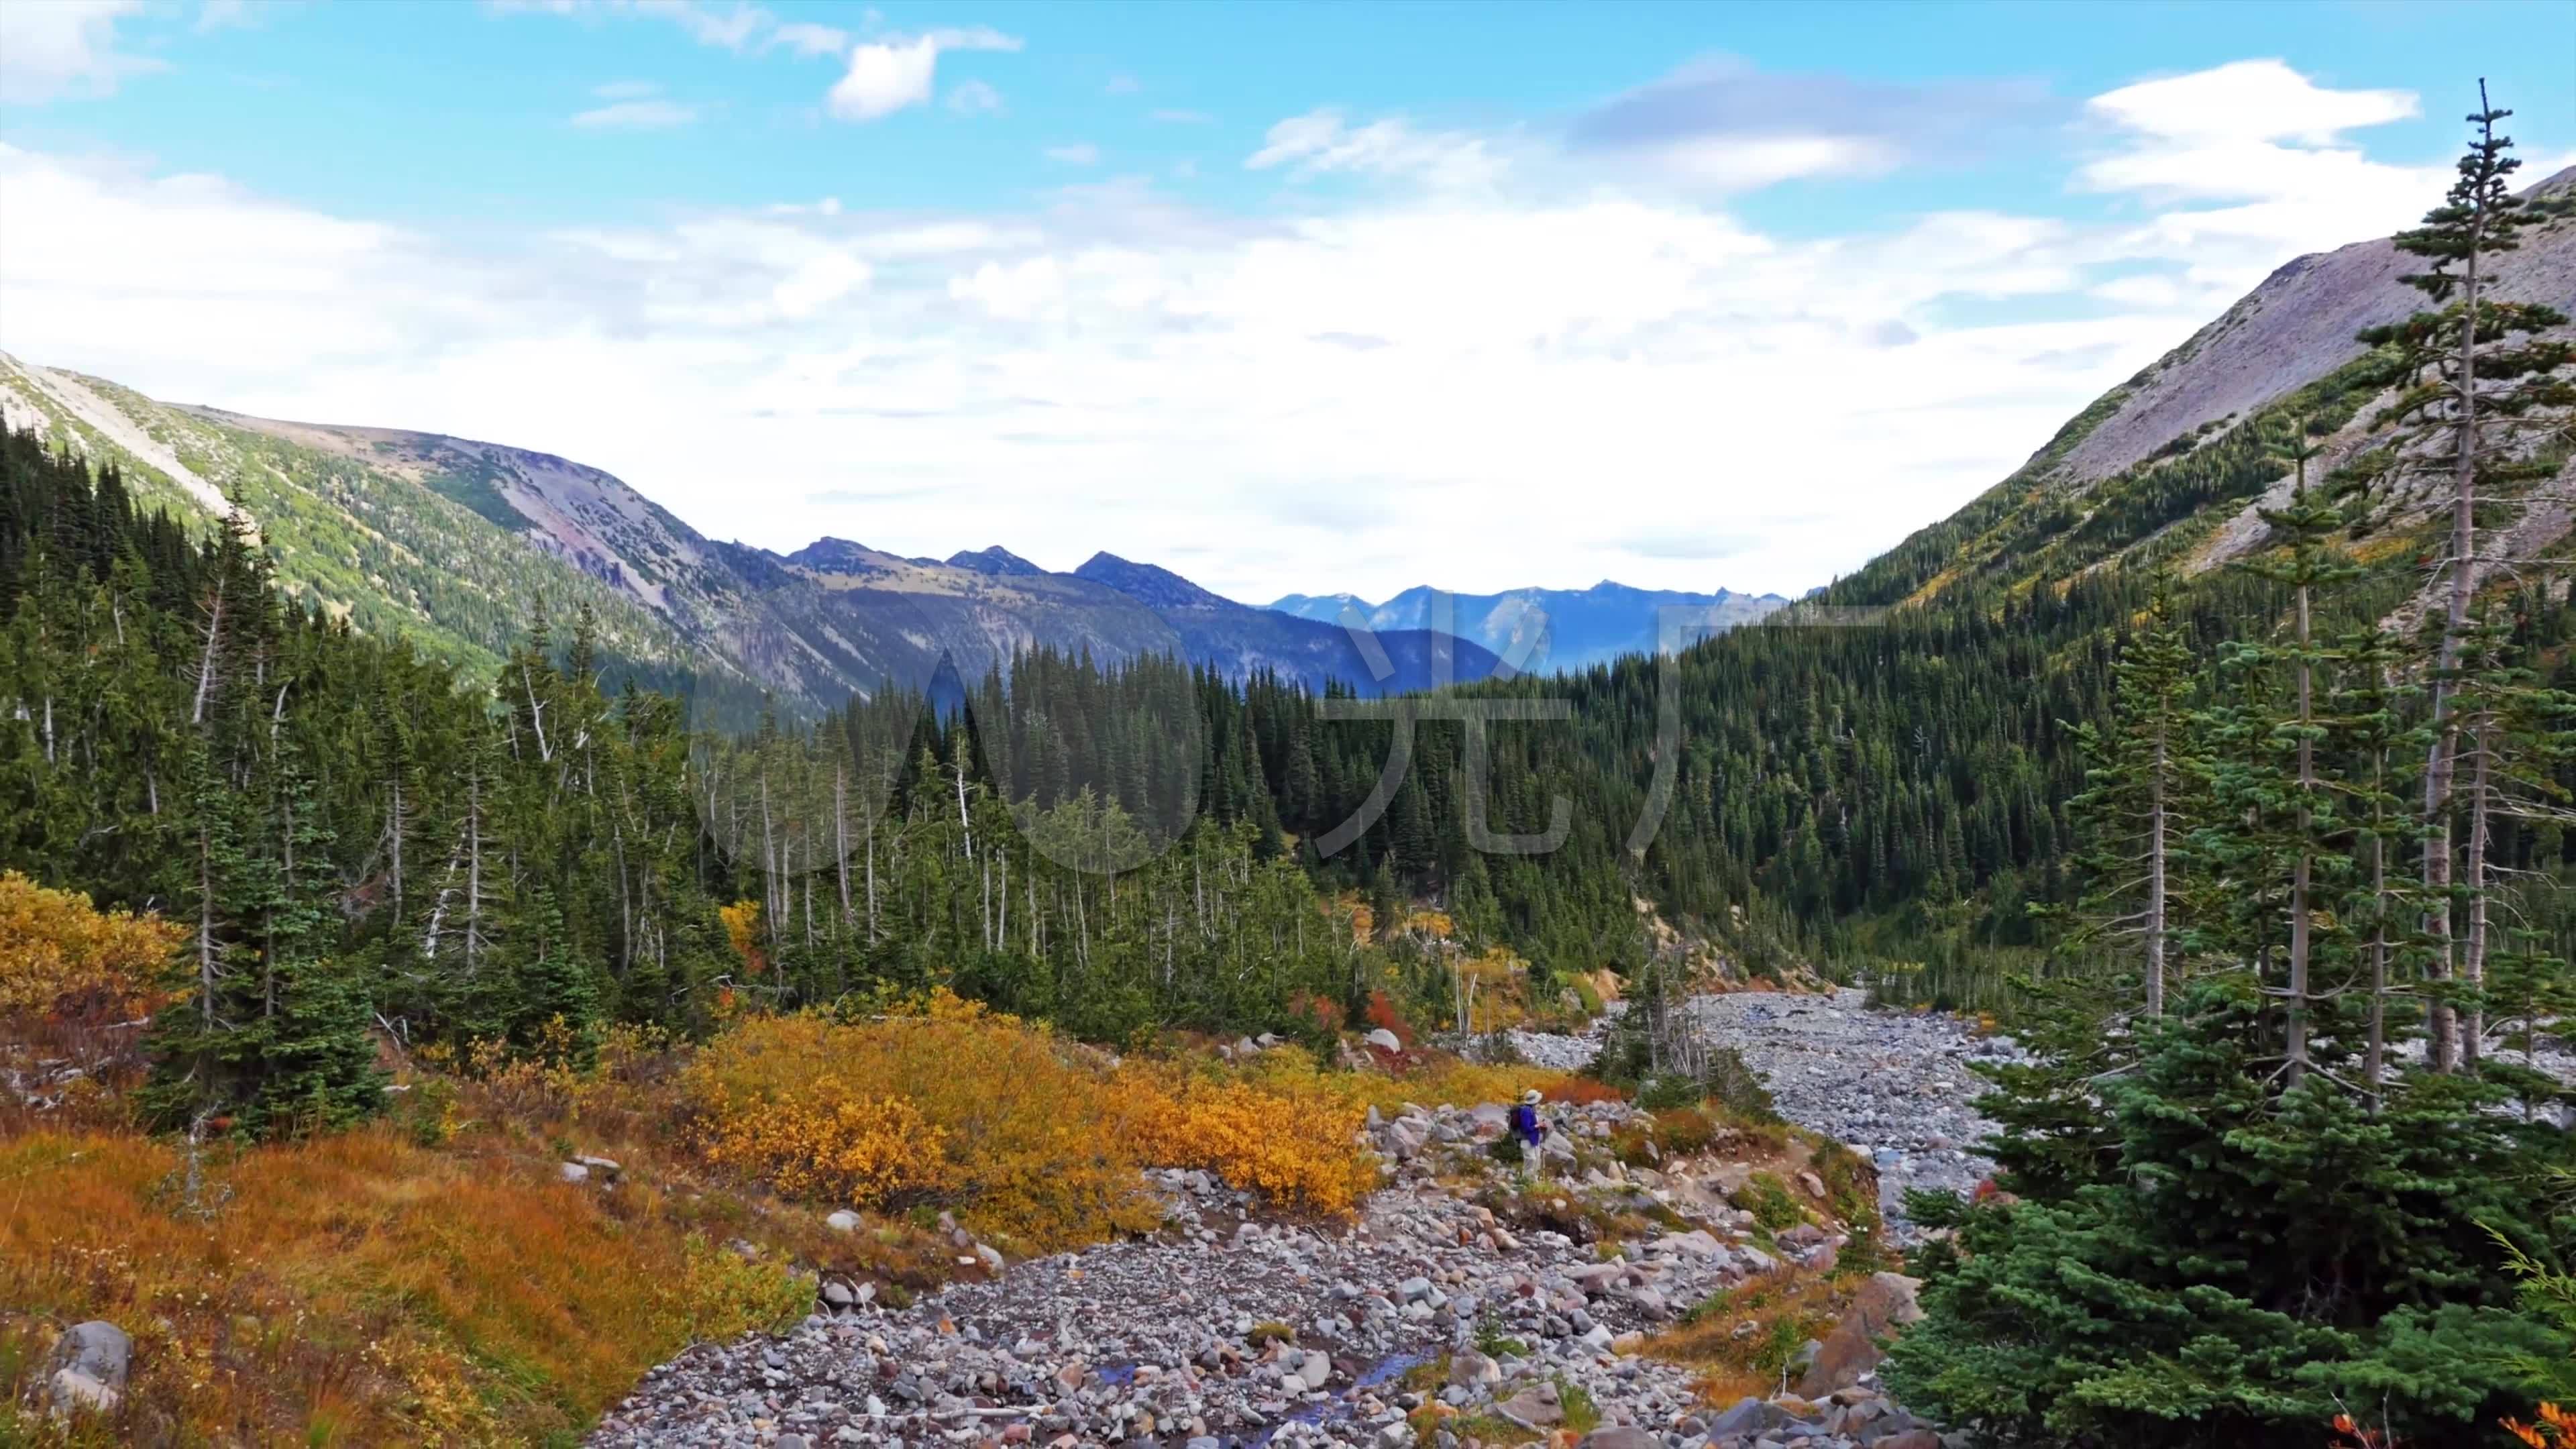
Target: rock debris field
{"x":1890,"y":1084}
{"x":1505,"y":1310}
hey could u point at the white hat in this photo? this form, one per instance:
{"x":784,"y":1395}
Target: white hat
{"x":1530,"y":1097}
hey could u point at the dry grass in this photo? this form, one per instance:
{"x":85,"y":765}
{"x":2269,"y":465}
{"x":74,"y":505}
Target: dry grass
{"x":358,"y":1288}
{"x":1786,"y":1308}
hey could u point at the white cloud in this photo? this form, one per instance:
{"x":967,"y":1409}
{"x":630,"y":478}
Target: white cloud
{"x":1078,"y":153}
{"x":731,"y":27}
{"x":1320,"y":142}
{"x":1559,"y":380}
{"x":805,"y":38}
{"x":2246,"y":165}
{"x":974,"y":98}
{"x":735,"y":25}
{"x":55,"y":48}
{"x":1017,"y":290}
{"x":2249,"y":100}
{"x":886,"y":76}
{"x":225,"y":15}
{"x":1745,"y":163}
{"x":636,"y":115}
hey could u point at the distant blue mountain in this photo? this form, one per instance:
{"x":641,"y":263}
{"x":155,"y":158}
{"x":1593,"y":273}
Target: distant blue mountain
{"x":1240,"y":639}
{"x":931,"y":623}
{"x":1539,"y":631}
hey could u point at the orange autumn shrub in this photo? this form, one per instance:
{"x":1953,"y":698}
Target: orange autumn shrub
{"x":2555,"y":1429}
{"x":55,"y":946}
{"x":823,"y":1140}
{"x":1294,"y":1144}
{"x":941,"y":1102}
{"x":1028,"y":1138}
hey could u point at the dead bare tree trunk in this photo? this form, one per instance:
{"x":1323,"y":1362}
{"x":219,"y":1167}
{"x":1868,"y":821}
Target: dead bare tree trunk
{"x":2473,"y":959}
{"x":206,"y":659}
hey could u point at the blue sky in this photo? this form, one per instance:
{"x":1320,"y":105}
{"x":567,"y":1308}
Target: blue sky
{"x":1290,"y":297}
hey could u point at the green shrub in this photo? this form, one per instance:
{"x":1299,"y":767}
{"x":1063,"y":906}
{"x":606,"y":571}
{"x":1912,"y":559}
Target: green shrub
{"x":1768,"y":1199}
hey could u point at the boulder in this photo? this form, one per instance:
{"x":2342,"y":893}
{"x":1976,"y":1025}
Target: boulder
{"x":1622,"y":1436}
{"x":1527,"y":1407}
{"x":844,"y":1221}
{"x":1469,"y":1369}
{"x":574,"y":1172}
{"x":86,"y":1371}
{"x":1749,"y":1416}
{"x":1384,"y":1040}
{"x":1884,"y":1304}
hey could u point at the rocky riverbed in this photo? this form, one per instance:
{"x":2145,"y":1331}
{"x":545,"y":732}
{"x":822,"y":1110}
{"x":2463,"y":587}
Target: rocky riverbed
{"x":1467,"y":1298}
{"x":1890,"y":1084}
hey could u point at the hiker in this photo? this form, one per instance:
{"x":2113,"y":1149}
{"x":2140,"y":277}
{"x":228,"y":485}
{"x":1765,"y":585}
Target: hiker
{"x":1526,"y":1124}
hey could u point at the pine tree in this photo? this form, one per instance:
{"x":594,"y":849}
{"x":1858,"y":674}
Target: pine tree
{"x":2476,"y":382}
{"x":2310,"y":567}
{"x":2130,"y":817}
{"x":2370,"y":730}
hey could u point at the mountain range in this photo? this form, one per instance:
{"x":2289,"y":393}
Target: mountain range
{"x":456,"y":544}
{"x":1538,"y":630}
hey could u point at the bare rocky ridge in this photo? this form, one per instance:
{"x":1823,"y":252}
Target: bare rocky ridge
{"x":2296,"y":327}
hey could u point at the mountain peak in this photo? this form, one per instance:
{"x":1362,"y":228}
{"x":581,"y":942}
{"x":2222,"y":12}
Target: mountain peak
{"x":836,"y":556}
{"x":996,"y":560}
{"x":1147,"y":584}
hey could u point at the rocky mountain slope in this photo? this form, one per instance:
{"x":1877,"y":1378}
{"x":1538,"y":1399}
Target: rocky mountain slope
{"x":2167,"y":468}
{"x":459,"y":544}
{"x":1543,"y":630}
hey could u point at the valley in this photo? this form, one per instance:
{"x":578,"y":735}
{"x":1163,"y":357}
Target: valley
{"x":483,"y":961}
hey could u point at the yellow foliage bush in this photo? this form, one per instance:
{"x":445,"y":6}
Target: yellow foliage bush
{"x":55,"y":944}
{"x":822,"y":1139}
{"x":1030,"y":1139}
{"x":742,"y":932}
{"x":1294,"y":1144}
{"x":997,"y":1119}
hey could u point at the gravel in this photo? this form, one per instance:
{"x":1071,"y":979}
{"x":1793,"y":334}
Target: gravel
{"x":1892,"y":1085}
{"x":1231,"y":1328}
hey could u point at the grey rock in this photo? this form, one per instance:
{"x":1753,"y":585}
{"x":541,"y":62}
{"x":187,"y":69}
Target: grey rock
{"x":97,"y":1348}
{"x":86,"y":1372}
{"x":1749,"y":1416}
